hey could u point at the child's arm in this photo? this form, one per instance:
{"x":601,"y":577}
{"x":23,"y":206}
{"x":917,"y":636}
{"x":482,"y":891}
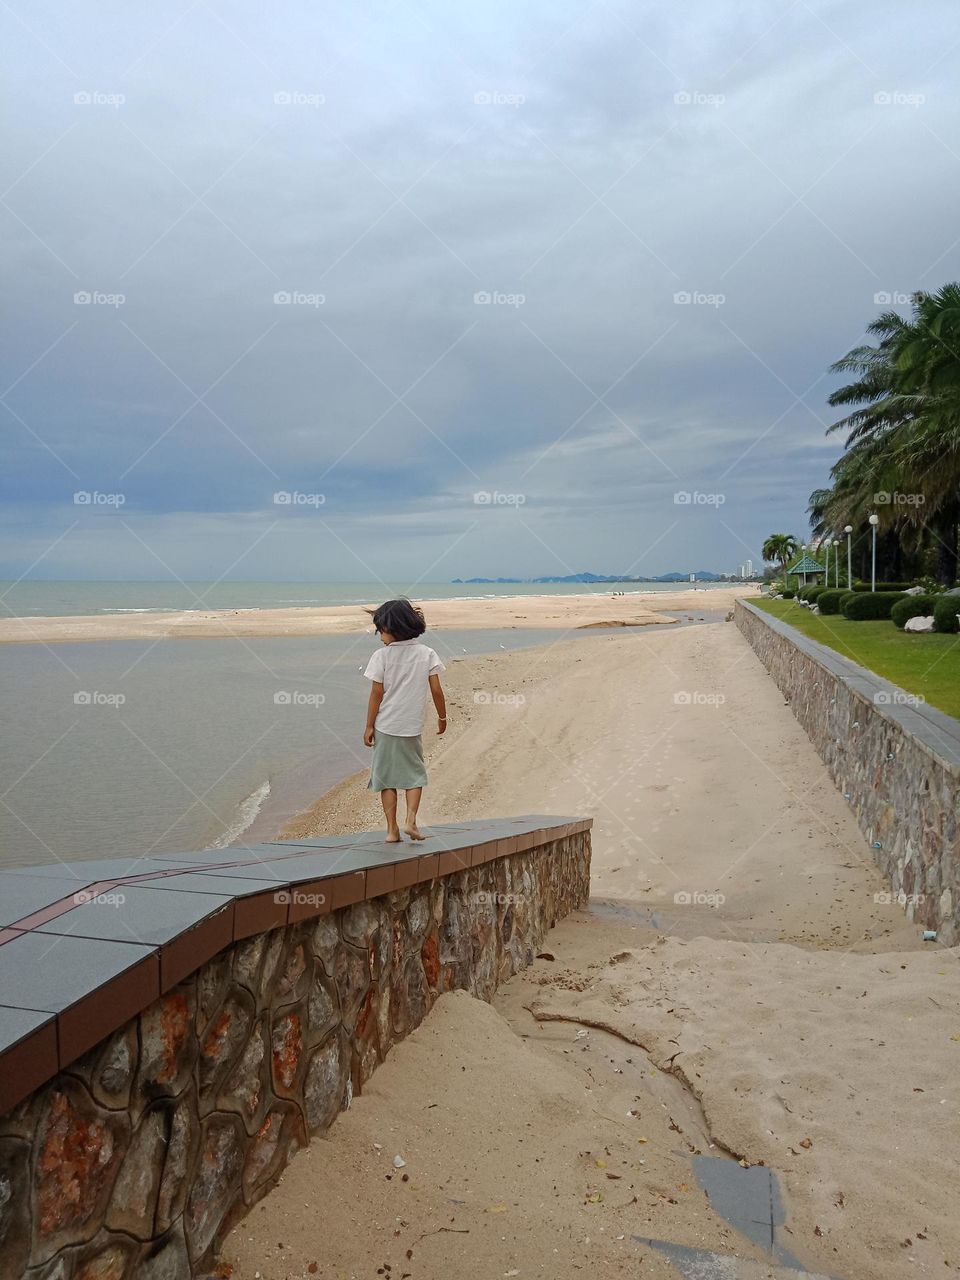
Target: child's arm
{"x":436,"y":690}
{"x":373,"y":706}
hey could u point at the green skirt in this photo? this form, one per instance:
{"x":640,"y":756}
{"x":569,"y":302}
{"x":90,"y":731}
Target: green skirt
{"x":397,"y":763}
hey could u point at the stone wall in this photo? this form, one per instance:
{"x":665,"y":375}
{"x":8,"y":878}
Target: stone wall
{"x":897,"y":763}
{"x":133,"y":1162}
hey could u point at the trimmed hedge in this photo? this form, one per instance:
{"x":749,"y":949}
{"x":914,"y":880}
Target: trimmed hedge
{"x":788,"y":594}
{"x":810,"y":593}
{"x":869,"y":605}
{"x":847,"y":595}
{"x":912,"y":607}
{"x":884,"y":586}
{"x":829,"y":601}
{"x":945,"y":612}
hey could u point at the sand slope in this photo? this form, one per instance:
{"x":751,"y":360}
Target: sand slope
{"x":839,"y":1071}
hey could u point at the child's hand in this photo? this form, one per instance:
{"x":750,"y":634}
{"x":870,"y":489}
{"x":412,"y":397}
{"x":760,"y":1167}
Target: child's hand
{"x":368,"y":737}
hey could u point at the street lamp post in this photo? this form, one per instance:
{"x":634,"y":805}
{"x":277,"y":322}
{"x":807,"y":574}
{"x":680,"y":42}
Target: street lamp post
{"x":874,"y":521}
{"x":826,"y":576}
{"x":848,"y":529}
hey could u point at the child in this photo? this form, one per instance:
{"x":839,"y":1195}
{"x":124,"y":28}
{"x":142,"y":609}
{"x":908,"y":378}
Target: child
{"x":401,"y":672}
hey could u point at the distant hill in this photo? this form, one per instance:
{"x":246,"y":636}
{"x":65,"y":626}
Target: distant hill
{"x":702,"y":575}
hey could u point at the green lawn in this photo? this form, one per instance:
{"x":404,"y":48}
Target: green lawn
{"x":927,"y":664}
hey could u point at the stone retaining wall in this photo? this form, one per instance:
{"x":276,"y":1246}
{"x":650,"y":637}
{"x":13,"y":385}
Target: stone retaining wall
{"x":896,"y":762}
{"x":132,"y":1163}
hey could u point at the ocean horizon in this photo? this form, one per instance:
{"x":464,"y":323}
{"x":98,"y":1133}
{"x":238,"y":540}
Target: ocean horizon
{"x":59,"y":599}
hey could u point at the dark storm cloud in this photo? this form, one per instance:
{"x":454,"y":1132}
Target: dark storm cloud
{"x":387,"y":169}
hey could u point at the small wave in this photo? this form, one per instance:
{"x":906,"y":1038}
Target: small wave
{"x":162,"y":608}
{"x":245,"y":816}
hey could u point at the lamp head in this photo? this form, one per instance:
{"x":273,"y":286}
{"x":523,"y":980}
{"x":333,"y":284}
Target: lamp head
{"x":874,"y":520}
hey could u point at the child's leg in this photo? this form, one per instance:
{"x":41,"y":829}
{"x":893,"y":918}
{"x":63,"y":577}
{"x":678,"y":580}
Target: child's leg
{"x":388,"y":799}
{"x":413,"y":795}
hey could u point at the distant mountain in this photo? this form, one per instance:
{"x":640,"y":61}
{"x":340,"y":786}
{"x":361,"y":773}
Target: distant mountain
{"x":702,"y":575}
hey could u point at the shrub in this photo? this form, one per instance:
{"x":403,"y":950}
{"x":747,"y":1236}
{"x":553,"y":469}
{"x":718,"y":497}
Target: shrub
{"x":829,"y":601}
{"x":912,"y":607}
{"x":788,"y":593}
{"x":810,"y":593}
{"x":883,"y":586}
{"x":945,"y":612}
{"x":865,"y":606}
{"x":847,"y":595}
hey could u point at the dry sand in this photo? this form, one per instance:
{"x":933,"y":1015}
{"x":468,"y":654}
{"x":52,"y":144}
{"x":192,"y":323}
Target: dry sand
{"x":796,"y":1006}
{"x":596,"y":608}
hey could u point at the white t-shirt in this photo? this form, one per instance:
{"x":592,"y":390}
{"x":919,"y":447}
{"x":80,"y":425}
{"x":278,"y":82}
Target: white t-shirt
{"x":403,"y":668}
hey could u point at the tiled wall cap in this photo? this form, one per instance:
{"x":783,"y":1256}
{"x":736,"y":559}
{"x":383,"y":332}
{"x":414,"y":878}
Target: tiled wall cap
{"x":236,"y":885}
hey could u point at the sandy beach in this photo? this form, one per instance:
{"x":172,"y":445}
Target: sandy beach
{"x":597,"y":608}
{"x":778,"y":1014}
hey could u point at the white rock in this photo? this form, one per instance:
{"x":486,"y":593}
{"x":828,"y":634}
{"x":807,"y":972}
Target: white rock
{"x":914,"y":591}
{"x":399,"y":1162}
{"x":919,"y":624}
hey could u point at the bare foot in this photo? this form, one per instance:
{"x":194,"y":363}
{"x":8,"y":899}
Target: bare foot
{"x":393,"y":837}
{"x":414,"y":832}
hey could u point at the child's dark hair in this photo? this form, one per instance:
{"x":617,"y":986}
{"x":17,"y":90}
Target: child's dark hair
{"x":400,"y":619}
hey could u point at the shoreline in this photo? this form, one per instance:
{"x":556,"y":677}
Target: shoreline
{"x":493,"y":612}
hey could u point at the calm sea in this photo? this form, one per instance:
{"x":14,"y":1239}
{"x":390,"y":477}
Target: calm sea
{"x":131,"y":746}
{"x":61,"y":599}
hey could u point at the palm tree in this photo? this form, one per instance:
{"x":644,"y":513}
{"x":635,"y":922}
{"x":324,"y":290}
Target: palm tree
{"x":781,"y":549}
{"x":903,"y":432}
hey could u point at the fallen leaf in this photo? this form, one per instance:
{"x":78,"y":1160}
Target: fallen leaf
{"x":806,"y":1143}
{"x":594,"y":1198}
{"x":601,"y":1164}
{"x":496,"y":1208}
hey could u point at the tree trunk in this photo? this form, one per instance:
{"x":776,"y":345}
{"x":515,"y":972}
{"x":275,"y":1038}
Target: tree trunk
{"x":945,"y":534}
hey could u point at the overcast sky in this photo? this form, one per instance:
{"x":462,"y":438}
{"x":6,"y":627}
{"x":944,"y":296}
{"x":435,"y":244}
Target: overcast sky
{"x":386,"y":168}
